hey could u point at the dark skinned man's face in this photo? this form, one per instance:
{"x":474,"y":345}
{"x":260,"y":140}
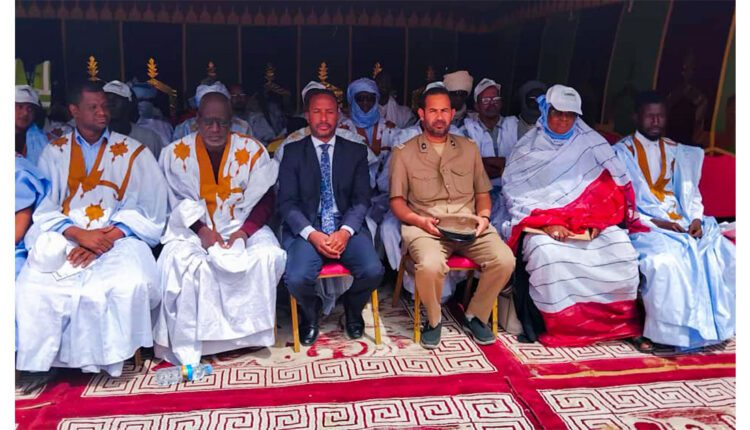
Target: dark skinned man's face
{"x":118,"y":106}
{"x":238,"y":98}
{"x":489,"y":103}
{"x":24,"y":115}
{"x":214,"y":120}
{"x":651,"y":120}
{"x":365,"y":100}
{"x":458,"y":99}
{"x":92,"y":112}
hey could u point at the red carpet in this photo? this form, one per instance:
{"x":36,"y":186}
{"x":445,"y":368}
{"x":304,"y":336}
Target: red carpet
{"x":344,"y":384}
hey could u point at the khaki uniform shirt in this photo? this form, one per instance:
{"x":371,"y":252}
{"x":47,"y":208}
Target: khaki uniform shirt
{"x":432,"y":184}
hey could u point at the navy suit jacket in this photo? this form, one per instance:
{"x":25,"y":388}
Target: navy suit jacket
{"x":299,"y":184}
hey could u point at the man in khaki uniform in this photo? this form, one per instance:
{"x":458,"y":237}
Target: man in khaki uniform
{"x":439,"y":173}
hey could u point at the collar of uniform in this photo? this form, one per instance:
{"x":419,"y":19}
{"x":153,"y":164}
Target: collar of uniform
{"x":424,"y":144}
{"x":317,"y":142}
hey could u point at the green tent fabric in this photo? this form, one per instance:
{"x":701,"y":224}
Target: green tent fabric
{"x":634,"y":60}
{"x":41,"y":83}
{"x":20,"y":73}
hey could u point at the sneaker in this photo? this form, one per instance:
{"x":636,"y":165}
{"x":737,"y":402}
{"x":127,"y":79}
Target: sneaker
{"x":482,"y":334}
{"x":430,"y":338}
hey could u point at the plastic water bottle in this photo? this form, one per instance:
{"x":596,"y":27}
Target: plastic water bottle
{"x":186,"y":372}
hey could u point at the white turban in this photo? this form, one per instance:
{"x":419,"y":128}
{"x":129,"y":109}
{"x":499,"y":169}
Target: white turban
{"x":119,"y":88}
{"x":458,"y":81}
{"x":312,"y":85}
{"x":216,"y":87}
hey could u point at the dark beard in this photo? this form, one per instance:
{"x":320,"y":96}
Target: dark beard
{"x":435,"y":132}
{"x":649,"y":136}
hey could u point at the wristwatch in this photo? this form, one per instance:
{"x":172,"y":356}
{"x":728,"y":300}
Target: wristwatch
{"x":487,"y":218}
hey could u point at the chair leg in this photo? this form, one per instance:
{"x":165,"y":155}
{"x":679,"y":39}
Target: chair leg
{"x":469,"y":286}
{"x":375,"y":315}
{"x":295,"y":323}
{"x":399,"y":280}
{"x":137,"y":358}
{"x":276,"y":332}
{"x":417,"y":317}
{"x":494,"y":317}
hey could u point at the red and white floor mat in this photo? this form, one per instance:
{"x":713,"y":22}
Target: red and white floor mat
{"x":339,"y":383}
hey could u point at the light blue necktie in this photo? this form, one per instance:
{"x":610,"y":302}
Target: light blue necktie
{"x":327,"y":222}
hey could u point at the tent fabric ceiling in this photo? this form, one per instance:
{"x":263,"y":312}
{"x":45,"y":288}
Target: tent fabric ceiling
{"x":465,"y":16}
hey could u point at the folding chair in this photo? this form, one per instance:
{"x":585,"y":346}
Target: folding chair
{"x":333,"y":270}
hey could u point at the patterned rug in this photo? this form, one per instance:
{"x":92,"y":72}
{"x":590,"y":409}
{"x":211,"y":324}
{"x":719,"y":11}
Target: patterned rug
{"x":339,"y":383}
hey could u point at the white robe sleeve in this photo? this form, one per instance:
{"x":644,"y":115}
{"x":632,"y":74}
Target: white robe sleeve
{"x":48,"y":214}
{"x":687,"y":176}
{"x":144,"y":206}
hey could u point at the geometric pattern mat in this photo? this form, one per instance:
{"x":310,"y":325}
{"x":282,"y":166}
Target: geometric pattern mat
{"x":339,"y":383}
{"x":471,"y":411}
{"x":332,"y":359}
{"x":699,"y":404}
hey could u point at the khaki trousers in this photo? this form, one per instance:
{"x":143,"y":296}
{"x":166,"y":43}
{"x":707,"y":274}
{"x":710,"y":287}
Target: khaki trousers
{"x":495,"y":259}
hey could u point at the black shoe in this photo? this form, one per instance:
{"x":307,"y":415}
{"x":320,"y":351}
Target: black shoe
{"x":308,"y":329}
{"x":430,"y":338}
{"x":354,"y":327}
{"x":308,"y":333}
{"x":479,"y":330}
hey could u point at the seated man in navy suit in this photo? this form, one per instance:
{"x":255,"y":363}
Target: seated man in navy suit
{"x":324,"y":194}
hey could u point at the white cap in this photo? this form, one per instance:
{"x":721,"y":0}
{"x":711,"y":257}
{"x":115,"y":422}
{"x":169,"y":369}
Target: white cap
{"x":483,"y":85}
{"x":49,"y":252}
{"x":216,"y":87}
{"x":26,"y":94}
{"x":458,"y":81}
{"x":564,"y":99}
{"x":431,"y":85}
{"x":312,"y":85}
{"x":119,"y":88}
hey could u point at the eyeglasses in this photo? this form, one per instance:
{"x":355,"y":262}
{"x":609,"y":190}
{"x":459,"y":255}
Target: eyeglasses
{"x":208,"y":122}
{"x":488,"y":100}
{"x":459,"y":93}
{"x":239,"y":95}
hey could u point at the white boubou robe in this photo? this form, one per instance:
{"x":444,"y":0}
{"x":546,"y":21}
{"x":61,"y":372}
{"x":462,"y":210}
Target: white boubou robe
{"x":95,"y":318}
{"x":400,"y":115}
{"x":489,"y":147}
{"x":218,"y":299}
{"x":689,"y":286}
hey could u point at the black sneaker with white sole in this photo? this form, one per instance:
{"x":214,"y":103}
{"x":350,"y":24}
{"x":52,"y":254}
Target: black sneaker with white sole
{"x":430,"y":337}
{"x":480,"y":331}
